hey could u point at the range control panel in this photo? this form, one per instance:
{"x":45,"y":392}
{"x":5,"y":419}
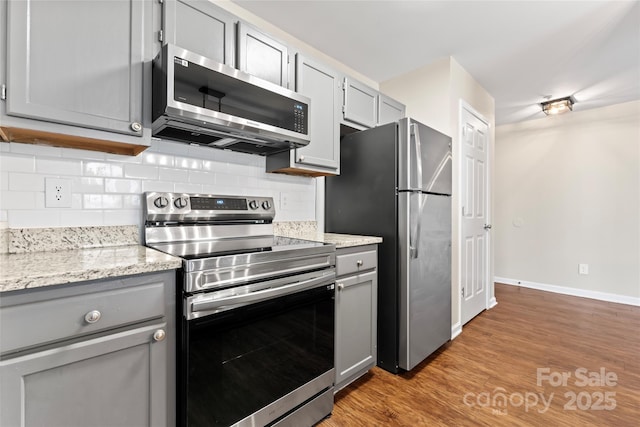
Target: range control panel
{"x":159,"y":206}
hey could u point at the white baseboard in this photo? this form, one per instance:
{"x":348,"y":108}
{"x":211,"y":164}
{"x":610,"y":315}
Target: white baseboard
{"x":492,"y":303}
{"x":602,"y":296}
{"x":456,"y":330}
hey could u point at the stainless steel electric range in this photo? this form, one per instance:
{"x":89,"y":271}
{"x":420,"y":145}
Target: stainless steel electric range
{"x":256,"y":316}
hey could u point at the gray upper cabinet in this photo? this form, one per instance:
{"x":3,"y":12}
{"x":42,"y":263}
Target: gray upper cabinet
{"x":201,"y":27}
{"x":389,"y":110}
{"x":322,"y":156}
{"x":360,"y":104}
{"x":261,"y":55}
{"x":77,"y":62}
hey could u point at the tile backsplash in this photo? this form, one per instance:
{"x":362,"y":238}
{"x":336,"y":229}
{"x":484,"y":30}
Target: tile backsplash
{"x":106,"y":188}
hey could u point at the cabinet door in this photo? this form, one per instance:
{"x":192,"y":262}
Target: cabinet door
{"x":360,"y":103}
{"x":115,"y":380}
{"x":77,"y":62}
{"x":322,"y":85}
{"x":262,"y":56}
{"x":356,"y":308}
{"x":201,"y":27}
{"x":389,"y":110}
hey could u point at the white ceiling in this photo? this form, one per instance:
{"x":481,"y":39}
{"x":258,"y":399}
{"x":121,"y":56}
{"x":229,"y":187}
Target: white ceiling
{"x":519,"y":51}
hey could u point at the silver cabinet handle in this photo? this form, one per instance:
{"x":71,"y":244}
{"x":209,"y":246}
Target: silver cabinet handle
{"x":93,"y":316}
{"x":359,"y":263}
{"x":159,"y":335}
{"x":340,"y":286}
{"x":136,"y":127}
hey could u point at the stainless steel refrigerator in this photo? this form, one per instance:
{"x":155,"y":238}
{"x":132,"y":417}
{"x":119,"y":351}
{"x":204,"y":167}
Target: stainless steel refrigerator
{"x":395,"y":182}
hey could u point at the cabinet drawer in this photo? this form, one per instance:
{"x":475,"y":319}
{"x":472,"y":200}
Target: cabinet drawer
{"x":356,"y":262}
{"x":30,"y":324}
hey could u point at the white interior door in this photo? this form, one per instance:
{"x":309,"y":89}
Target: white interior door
{"x":475,"y":222}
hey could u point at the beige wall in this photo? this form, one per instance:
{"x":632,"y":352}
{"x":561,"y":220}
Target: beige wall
{"x":433,"y":95}
{"x":567,"y":191}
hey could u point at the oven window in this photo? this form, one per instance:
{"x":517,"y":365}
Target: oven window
{"x":241,"y":360}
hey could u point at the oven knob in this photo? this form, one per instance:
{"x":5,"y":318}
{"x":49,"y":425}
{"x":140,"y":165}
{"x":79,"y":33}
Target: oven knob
{"x":266,"y":205}
{"x":161,"y":202}
{"x":253,"y":204}
{"x":180,"y":202}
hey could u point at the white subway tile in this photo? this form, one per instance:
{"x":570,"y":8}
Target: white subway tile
{"x":112,"y":185}
{"x":140,"y":171}
{"x":58,"y":167}
{"x":5,"y":147}
{"x":214,"y":166}
{"x":132,"y":201}
{"x":188,"y":188}
{"x":26,"y":182}
{"x":198,"y":177}
{"x":92,"y":201}
{"x":224,"y":180}
{"x":88,"y":185}
{"x":111,"y":201}
{"x":4,"y":216}
{"x":171,"y":147}
{"x":118,"y":158}
{"x":151,"y":158}
{"x":174,"y":175}
{"x":15,"y":163}
{"x":18,"y":218}
{"x":188,"y":163}
{"x":91,"y":168}
{"x":123,"y":217}
{"x":236,"y":169}
{"x":4,"y":181}
{"x":72,"y":153}
{"x":157,"y":186}
{"x":200,"y":152}
{"x":80,"y":218}
{"x":36,"y":150}
{"x":17,"y":200}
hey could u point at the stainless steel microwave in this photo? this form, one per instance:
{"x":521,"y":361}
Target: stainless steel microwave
{"x":200,"y":101}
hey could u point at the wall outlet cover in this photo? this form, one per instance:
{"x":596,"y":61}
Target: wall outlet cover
{"x":583,"y":268}
{"x":57,"y":193}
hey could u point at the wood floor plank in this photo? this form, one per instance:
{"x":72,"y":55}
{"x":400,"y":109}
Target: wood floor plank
{"x":488,"y":376}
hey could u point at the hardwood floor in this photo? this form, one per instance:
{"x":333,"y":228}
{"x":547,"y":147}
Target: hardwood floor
{"x":488,"y":376}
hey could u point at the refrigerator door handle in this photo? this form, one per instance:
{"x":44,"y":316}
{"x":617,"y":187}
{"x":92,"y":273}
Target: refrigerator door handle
{"x":418,"y":160}
{"x":414,"y":240}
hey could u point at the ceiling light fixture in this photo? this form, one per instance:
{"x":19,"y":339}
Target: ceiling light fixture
{"x":558,"y":106}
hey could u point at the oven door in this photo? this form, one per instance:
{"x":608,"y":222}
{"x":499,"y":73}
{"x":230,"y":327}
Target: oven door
{"x":253,"y":354}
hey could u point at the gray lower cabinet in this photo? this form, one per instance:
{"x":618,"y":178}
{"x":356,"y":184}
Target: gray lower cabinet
{"x":77,"y":63}
{"x":201,"y":27}
{"x":356,"y":313}
{"x":90,"y":354}
{"x":389,"y":110}
{"x":322,"y":156}
{"x":261,"y":55}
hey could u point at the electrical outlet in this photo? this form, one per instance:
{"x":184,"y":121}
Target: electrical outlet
{"x":583,"y":268}
{"x":57,"y":193}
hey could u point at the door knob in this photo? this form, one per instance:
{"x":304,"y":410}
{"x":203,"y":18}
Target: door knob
{"x":487,"y":226}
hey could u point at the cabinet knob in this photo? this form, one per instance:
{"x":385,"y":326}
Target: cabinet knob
{"x":359,"y":263}
{"x":301,"y":159}
{"x":93,"y":316}
{"x":136,"y":127}
{"x":340,"y":286}
{"x":159,"y":335}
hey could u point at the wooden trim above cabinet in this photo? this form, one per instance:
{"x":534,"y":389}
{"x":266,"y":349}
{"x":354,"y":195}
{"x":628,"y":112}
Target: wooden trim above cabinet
{"x":30,"y":136}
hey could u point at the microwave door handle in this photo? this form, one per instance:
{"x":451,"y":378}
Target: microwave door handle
{"x":418,"y":161}
{"x":216,"y":305}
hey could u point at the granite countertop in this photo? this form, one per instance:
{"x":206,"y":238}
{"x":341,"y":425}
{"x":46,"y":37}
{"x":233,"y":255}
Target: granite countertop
{"x":37,"y":269}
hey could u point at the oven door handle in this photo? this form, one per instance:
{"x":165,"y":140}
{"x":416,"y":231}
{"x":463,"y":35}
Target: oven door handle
{"x":277,"y":288}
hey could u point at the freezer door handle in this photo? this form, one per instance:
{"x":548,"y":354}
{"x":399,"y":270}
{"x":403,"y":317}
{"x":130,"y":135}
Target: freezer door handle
{"x":418,"y":159}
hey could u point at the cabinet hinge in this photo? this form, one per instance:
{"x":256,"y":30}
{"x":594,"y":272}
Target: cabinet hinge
{"x":160,"y":35}
{"x":3,"y":94}
{"x":462,"y":292}
{"x":161,"y":1}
